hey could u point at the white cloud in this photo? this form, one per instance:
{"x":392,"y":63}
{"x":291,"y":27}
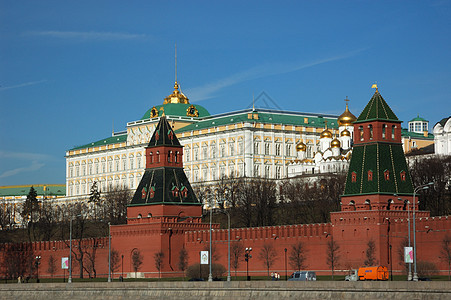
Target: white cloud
{"x":3,"y":88}
{"x":89,"y":35}
{"x":34,"y":161}
{"x":207,"y":91}
{"x":34,"y":166}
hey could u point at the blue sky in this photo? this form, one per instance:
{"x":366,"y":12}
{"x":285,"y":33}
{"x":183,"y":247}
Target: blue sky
{"x":69,"y":69}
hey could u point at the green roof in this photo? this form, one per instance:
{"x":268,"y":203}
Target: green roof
{"x":163,"y":135}
{"x":377,"y":109}
{"x":407,"y":133}
{"x":177,"y":110}
{"x":103,"y":142}
{"x":23,"y":190}
{"x":264,"y":116}
{"x":418,"y":118}
{"x":378,"y":158}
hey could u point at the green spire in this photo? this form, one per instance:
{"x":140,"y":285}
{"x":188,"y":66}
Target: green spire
{"x":377,"y":109}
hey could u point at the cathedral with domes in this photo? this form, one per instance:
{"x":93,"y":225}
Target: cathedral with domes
{"x":334,"y":151}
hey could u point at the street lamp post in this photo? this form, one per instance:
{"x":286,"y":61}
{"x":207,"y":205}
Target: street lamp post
{"x":247,"y":256}
{"x":228,"y":235}
{"x":228,"y":246}
{"x":415,"y":190}
{"x":409,"y":277}
{"x":38,"y":262}
{"x":122,"y":266}
{"x":69,"y":280}
{"x":210,"y":277}
{"x":286,"y":276}
{"x":109,"y":252}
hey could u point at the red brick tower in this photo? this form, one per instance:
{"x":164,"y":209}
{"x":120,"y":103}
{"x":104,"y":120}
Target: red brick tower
{"x":163,"y":207}
{"x":378,"y":177}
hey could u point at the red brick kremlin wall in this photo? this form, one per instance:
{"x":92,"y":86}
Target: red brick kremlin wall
{"x":350,"y":230}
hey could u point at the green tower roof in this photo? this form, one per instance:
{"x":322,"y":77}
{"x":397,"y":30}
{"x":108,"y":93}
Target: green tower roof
{"x":377,"y":109}
{"x":164,"y":184}
{"x":378,"y":168}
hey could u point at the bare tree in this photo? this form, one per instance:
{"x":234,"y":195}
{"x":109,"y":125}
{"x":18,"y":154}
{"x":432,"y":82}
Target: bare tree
{"x":267,"y":255}
{"x":19,"y":260}
{"x":51,"y":269}
{"x":158,"y":257}
{"x":6,"y":216}
{"x":115,"y":262}
{"x":90,"y":263}
{"x":137,"y":260}
{"x":236,"y":253}
{"x":297,"y":256}
{"x":332,"y":255}
{"x":436,"y":169}
{"x":370,"y":254}
{"x":115,"y":204}
{"x":446,"y":253}
{"x":183,"y":260}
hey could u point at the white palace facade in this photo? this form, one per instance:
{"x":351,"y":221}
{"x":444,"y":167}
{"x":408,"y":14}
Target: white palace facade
{"x":249,"y":142}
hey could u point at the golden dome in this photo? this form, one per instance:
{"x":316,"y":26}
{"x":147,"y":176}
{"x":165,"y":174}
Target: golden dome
{"x":345,"y":133}
{"x":346,"y":118}
{"x":301,"y":147}
{"x":326,"y":133}
{"x":176,"y":96}
{"x":335,"y":143}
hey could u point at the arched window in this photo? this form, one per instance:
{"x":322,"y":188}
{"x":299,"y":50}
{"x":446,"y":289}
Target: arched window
{"x":354,"y":177}
{"x":370,"y":127}
{"x":370,"y":175}
{"x":384,"y":129}
{"x":387,"y":175}
{"x":361,"y":132}
{"x":176,"y":160}
{"x":393,"y":132}
{"x":169,"y":156}
{"x":151,"y":157}
{"x":403,"y":176}
{"x":158,"y":156}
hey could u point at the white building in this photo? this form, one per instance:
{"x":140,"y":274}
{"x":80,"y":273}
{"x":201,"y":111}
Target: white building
{"x":333,"y":154}
{"x":250,"y":142}
{"x":442,"y":137}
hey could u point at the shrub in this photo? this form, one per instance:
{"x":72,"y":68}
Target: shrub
{"x":195,"y":270}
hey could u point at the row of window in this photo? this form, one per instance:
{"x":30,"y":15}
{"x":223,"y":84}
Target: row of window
{"x":173,"y":156}
{"x":418,"y":126}
{"x":402,"y":175}
{"x":76,"y":189}
{"x":231,"y":151}
{"x":99,"y":168}
{"x":206,"y":174}
{"x":371,"y":133}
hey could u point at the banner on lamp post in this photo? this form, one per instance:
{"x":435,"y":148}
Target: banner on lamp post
{"x":204,"y":257}
{"x":408,"y":255}
{"x":64,"y":263}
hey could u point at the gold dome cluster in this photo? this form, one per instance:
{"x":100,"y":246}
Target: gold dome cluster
{"x":346,"y":118}
{"x":176,"y":96}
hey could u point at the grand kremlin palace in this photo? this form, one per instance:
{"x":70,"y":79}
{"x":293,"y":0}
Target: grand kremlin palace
{"x":250,"y":142}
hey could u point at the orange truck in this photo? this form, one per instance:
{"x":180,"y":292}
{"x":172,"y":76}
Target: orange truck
{"x":368,"y":273}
